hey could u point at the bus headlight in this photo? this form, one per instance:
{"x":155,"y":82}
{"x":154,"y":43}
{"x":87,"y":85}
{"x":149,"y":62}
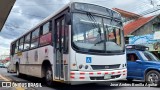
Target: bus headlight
{"x":123,"y":65}
{"x":80,"y":66}
{"x":86,"y":67}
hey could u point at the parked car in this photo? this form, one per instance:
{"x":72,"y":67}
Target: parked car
{"x":2,"y":65}
{"x":142,"y":64}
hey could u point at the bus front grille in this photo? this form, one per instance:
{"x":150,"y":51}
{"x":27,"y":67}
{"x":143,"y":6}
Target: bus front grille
{"x":96,"y":67}
{"x":102,"y":78}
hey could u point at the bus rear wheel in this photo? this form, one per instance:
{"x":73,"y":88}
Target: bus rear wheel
{"x":49,"y":76}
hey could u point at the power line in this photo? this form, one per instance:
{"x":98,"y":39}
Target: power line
{"x":150,"y":11}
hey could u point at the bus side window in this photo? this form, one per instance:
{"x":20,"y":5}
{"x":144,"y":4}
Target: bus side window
{"x":21,"y":44}
{"x":27,"y":42}
{"x":16,"y":46}
{"x":46,"y":28}
{"x":35,"y":38}
{"x":45,"y":33}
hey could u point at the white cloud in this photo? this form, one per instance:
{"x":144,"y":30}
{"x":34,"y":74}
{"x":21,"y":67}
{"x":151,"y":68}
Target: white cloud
{"x":4,"y":46}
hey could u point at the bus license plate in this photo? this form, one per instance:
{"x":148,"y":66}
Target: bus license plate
{"x":108,"y":76}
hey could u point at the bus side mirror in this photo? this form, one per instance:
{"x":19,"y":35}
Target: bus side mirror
{"x":68,"y":19}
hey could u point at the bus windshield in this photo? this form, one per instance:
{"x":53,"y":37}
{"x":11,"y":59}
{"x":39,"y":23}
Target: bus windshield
{"x":97,"y":34}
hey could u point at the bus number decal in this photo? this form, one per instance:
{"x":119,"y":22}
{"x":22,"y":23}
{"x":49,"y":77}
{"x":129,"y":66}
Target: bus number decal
{"x":88,"y":60}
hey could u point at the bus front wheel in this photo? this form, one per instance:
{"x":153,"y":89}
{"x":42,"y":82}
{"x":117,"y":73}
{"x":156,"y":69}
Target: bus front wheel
{"x":48,"y":76}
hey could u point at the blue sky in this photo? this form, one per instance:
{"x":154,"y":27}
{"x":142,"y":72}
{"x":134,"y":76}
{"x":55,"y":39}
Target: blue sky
{"x":27,"y":13}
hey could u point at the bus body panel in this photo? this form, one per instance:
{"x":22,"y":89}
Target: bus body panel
{"x":98,"y":59}
{"x":30,"y":62}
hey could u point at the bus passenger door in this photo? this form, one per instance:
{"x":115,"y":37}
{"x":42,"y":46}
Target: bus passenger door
{"x":59,"y":74}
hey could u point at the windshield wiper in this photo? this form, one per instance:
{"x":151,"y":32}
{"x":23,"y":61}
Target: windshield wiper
{"x":92,"y":19}
{"x":90,"y":16}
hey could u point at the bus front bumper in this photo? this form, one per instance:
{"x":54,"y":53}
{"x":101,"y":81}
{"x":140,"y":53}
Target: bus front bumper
{"x":113,"y":75}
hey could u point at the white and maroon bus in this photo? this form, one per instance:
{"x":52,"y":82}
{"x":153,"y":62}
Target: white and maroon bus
{"x":81,"y":42}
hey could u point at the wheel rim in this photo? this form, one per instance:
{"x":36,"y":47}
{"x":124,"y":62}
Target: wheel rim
{"x":153,"y":78}
{"x":49,"y":76}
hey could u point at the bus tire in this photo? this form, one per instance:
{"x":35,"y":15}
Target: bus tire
{"x":153,"y":77}
{"x":48,"y":76}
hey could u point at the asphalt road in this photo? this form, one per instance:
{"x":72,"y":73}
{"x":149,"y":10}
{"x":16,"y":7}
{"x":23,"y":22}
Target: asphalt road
{"x":58,"y":86}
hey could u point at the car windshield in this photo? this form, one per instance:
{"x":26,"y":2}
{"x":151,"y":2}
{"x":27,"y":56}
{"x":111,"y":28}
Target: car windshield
{"x":148,"y":56}
{"x":96,"y":34}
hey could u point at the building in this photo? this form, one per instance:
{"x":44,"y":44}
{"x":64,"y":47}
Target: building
{"x":127,"y":17}
{"x":143,"y":30}
{"x":5,"y":8}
